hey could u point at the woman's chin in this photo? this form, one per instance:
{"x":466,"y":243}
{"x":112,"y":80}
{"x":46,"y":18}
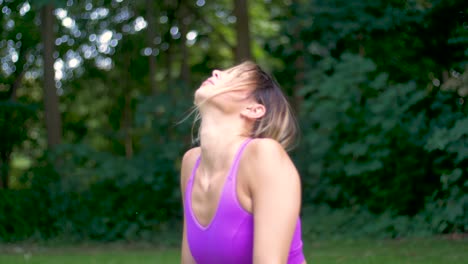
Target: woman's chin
{"x":199,"y":97}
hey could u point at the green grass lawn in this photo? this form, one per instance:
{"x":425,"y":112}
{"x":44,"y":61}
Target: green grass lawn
{"x":425,"y":251}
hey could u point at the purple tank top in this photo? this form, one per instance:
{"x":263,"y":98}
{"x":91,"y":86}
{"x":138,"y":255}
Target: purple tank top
{"x":228,"y":238}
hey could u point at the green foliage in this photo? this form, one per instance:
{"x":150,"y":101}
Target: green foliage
{"x":13,"y":119}
{"x":381,"y":89}
{"x":324,"y":222}
{"x":453,"y":140}
{"x":55,"y":3}
{"x":24,"y":215}
{"x":28,"y":209}
{"x":91,"y":194}
{"x":365,"y":137}
{"x":372,"y":122}
{"x":449,"y":205}
{"x":358,"y":126}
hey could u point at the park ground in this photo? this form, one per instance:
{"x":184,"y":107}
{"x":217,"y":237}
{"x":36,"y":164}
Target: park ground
{"x":404,"y":251}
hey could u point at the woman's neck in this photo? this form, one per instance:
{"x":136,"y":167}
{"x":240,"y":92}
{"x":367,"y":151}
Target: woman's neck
{"x":219,"y":142}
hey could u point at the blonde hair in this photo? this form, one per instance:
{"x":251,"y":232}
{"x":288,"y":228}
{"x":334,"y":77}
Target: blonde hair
{"x":278,"y":123}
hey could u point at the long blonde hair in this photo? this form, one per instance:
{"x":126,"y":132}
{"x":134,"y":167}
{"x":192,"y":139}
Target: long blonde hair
{"x":278,"y":123}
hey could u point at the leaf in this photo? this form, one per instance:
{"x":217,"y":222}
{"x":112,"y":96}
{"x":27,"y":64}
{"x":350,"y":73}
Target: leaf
{"x":356,"y":169}
{"x":442,"y":137}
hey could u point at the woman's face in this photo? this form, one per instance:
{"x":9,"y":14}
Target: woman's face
{"x":217,"y":80}
{"x":220,"y":82}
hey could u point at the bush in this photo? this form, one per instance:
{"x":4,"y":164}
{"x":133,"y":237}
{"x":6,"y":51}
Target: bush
{"x":388,"y":147}
{"x":80,"y":193}
{"x":324,"y":222}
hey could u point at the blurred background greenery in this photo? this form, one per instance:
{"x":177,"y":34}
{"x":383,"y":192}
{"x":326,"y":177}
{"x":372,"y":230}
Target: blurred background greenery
{"x":91,"y":93}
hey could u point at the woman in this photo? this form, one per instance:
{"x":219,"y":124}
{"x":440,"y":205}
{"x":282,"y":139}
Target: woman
{"x":241,"y":192}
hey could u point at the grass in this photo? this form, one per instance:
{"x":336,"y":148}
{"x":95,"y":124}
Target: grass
{"x":427,"y":251}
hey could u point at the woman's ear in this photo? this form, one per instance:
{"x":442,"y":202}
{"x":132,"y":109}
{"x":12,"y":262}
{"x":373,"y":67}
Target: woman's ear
{"x":254,"y":111}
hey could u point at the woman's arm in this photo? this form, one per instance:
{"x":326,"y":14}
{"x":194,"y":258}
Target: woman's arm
{"x":188,"y":161}
{"x":186,"y":256}
{"x":276,"y":197}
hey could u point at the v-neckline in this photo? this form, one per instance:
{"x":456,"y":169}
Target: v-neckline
{"x":223,"y":188}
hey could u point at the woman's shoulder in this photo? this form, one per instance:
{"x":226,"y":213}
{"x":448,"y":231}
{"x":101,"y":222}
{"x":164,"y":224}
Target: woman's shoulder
{"x":265,"y":163}
{"x":264,"y":155}
{"x":265,"y":148}
{"x":191,"y":155}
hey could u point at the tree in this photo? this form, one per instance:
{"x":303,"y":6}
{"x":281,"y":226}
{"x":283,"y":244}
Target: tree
{"x":14,"y":119}
{"x":151,"y":38}
{"x":51,"y":102}
{"x":243,"y":49}
{"x":184,"y":20}
{"x":15,"y":115}
{"x":299,"y":62}
{"x":362,"y":132}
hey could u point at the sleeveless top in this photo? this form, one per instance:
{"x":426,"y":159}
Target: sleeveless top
{"x":228,"y":238}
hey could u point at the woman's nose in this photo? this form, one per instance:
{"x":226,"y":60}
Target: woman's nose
{"x":216,"y":73}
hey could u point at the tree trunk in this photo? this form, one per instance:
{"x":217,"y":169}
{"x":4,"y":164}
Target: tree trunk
{"x":184,"y":66}
{"x":51,"y":102}
{"x":299,"y":76}
{"x":4,"y":170}
{"x":171,"y":7}
{"x":151,"y":36}
{"x":299,"y":63}
{"x":127,"y":126}
{"x":16,"y":84}
{"x":362,"y":49}
{"x":126,"y":118}
{"x":21,"y":68}
{"x":241,"y":12}
{"x":168,"y":66}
